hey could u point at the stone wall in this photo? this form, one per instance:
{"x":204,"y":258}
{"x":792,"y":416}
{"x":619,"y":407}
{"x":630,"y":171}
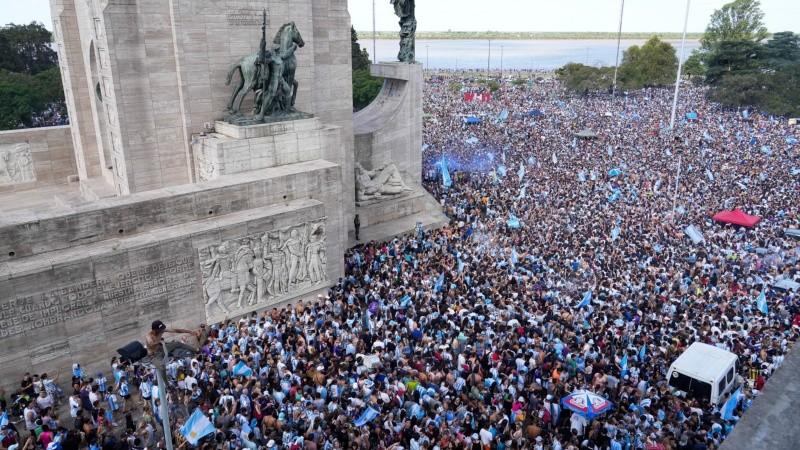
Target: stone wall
{"x":389,"y":130}
{"x":35,"y":157}
{"x":159,"y":69}
{"x":77,"y":283}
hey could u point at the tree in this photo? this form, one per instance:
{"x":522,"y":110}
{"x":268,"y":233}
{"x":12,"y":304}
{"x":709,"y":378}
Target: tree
{"x":365,"y":86}
{"x":695,"y":65}
{"x":581,"y":78}
{"x":739,"y":57}
{"x":26,"y":48}
{"x":740,"y":20}
{"x":782,"y":50}
{"x":654,"y":64}
{"x":360,"y":55}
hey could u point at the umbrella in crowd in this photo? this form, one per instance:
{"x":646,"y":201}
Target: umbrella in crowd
{"x":587,"y":404}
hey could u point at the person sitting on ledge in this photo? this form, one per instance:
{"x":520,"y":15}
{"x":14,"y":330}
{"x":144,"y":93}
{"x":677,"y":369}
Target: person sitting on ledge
{"x":154,"y":339}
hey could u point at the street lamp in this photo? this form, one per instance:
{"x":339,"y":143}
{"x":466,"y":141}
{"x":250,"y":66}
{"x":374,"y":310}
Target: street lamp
{"x":501,"y":62}
{"x":427,"y":58}
{"x":679,"y":150}
{"x":489,"y":59}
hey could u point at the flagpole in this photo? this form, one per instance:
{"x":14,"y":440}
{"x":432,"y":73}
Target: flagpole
{"x":489,"y":59}
{"x":374,"y":33}
{"x":161,"y":377}
{"x":619,"y":37}
{"x":680,"y":67}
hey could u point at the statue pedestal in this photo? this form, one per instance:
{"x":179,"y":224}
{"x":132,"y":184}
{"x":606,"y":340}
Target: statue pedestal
{"x":235,"y":149}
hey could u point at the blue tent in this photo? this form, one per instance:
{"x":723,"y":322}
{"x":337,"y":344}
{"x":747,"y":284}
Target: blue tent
{"x":471,"y":120}
{"x":534,"y":113}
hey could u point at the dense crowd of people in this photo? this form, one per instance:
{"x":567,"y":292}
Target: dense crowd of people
{"x":565,"y":267}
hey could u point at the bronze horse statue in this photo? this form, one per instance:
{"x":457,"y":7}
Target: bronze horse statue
{"x":277,"y":92}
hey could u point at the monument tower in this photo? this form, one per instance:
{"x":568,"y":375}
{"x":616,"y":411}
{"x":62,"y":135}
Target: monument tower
{"x":198,"y":198}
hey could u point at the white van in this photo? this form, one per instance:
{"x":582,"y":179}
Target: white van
{"x":705,"y":371}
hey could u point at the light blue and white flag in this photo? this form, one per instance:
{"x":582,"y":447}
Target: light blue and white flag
{"x":242,"y":369}
{"x":746,"y":113}
{"x":615,"y":233}
{"x":709,"y":175}
{"x":439,"y":283}
{"x":367,"y":416}
{"x":761,"y":301}
{"x":446,"y":181}
{"x":4,"y":419}
{"x":581,"y":177}
{"x":642,"y":352}
{"x":555,"y":159}
{"x":587,"y":298}
{"x":730,"y":405}
{"x":490,"y":155}
{"x":521,"y":172}
{"x":532,"y":160}
{"x":514,"y":257}
{"x":623,"y":364}
{"x":196,"y":427}
{"x":609,"y":151}
{"x":513,"y":221}
{"x":460,"y":265}
{"x":522,"y":192}
{"x":502,"y":171}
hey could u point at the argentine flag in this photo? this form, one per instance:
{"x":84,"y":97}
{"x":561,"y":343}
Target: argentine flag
{"x":730,"y":405}
{"x":623,"y":364}
{"x":440,"y":283}
{"x":4,"y":419}
{"x":642,"y":352}
{"x":587,"y":298}
{"x":521,"y":172}
{"x":761,"y":302}
{"x":446,"y":181}
{"x":241,"y":369}
{"x":196,"y":427}
{"x":366,"y":417}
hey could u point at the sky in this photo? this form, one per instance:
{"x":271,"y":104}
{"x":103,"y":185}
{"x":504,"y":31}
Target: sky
{"x":513,"y":15}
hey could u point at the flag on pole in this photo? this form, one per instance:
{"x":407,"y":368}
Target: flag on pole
{"x":642,"y":352}
{"x":521,"y":172}
{"x":460,"y":265}
{"x":4,"y":419}
{"x":761,"y":301}
{"x":196,"y":427}
{"x":514,"y":257}
{"x":366,"y":417}
{"x":730,"y":405}
{"x":241,"y":369}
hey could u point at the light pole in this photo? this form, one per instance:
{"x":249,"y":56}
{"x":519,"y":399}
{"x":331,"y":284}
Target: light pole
{"x":501,"y":62}
{"x":427,"y":58}
{"x":489,"y":59}
{"x":680,"y":67}
{"x":678,"y":149}
{"x":619,"y":36}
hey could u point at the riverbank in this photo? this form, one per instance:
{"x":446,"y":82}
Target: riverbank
{"x":524,"y":35}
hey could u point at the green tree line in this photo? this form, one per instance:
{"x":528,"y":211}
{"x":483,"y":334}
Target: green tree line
{"x":525,"y":35}
{"x":31,"y":93}
{"x":740,"y":62}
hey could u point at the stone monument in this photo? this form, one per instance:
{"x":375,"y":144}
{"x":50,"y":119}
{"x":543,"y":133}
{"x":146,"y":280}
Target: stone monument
{"x":171,"y":197}
{"x":179,"y":215}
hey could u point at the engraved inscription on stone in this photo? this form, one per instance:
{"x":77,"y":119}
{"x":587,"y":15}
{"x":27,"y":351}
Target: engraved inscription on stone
{"x":242,"y":273}
{"x":16,"y":164}
{"x":245,"y":14}
{"x":166,"y":279}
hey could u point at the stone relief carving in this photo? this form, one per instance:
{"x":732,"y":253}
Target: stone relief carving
{"x":16,"y":164}
{"x":382,"y":183}
{"x":245,"y":272}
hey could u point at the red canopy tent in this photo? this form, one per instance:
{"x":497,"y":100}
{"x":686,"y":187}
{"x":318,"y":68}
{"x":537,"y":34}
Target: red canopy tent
{"x":737,"y":217}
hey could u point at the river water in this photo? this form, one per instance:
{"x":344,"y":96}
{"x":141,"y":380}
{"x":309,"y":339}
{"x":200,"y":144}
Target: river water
{"x":517,"y":55}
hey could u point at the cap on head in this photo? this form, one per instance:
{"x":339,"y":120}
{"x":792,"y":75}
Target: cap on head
{"x":158,"y":326}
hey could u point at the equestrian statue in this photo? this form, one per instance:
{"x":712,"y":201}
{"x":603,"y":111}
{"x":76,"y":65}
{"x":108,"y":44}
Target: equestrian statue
{"x":269,"y":73}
